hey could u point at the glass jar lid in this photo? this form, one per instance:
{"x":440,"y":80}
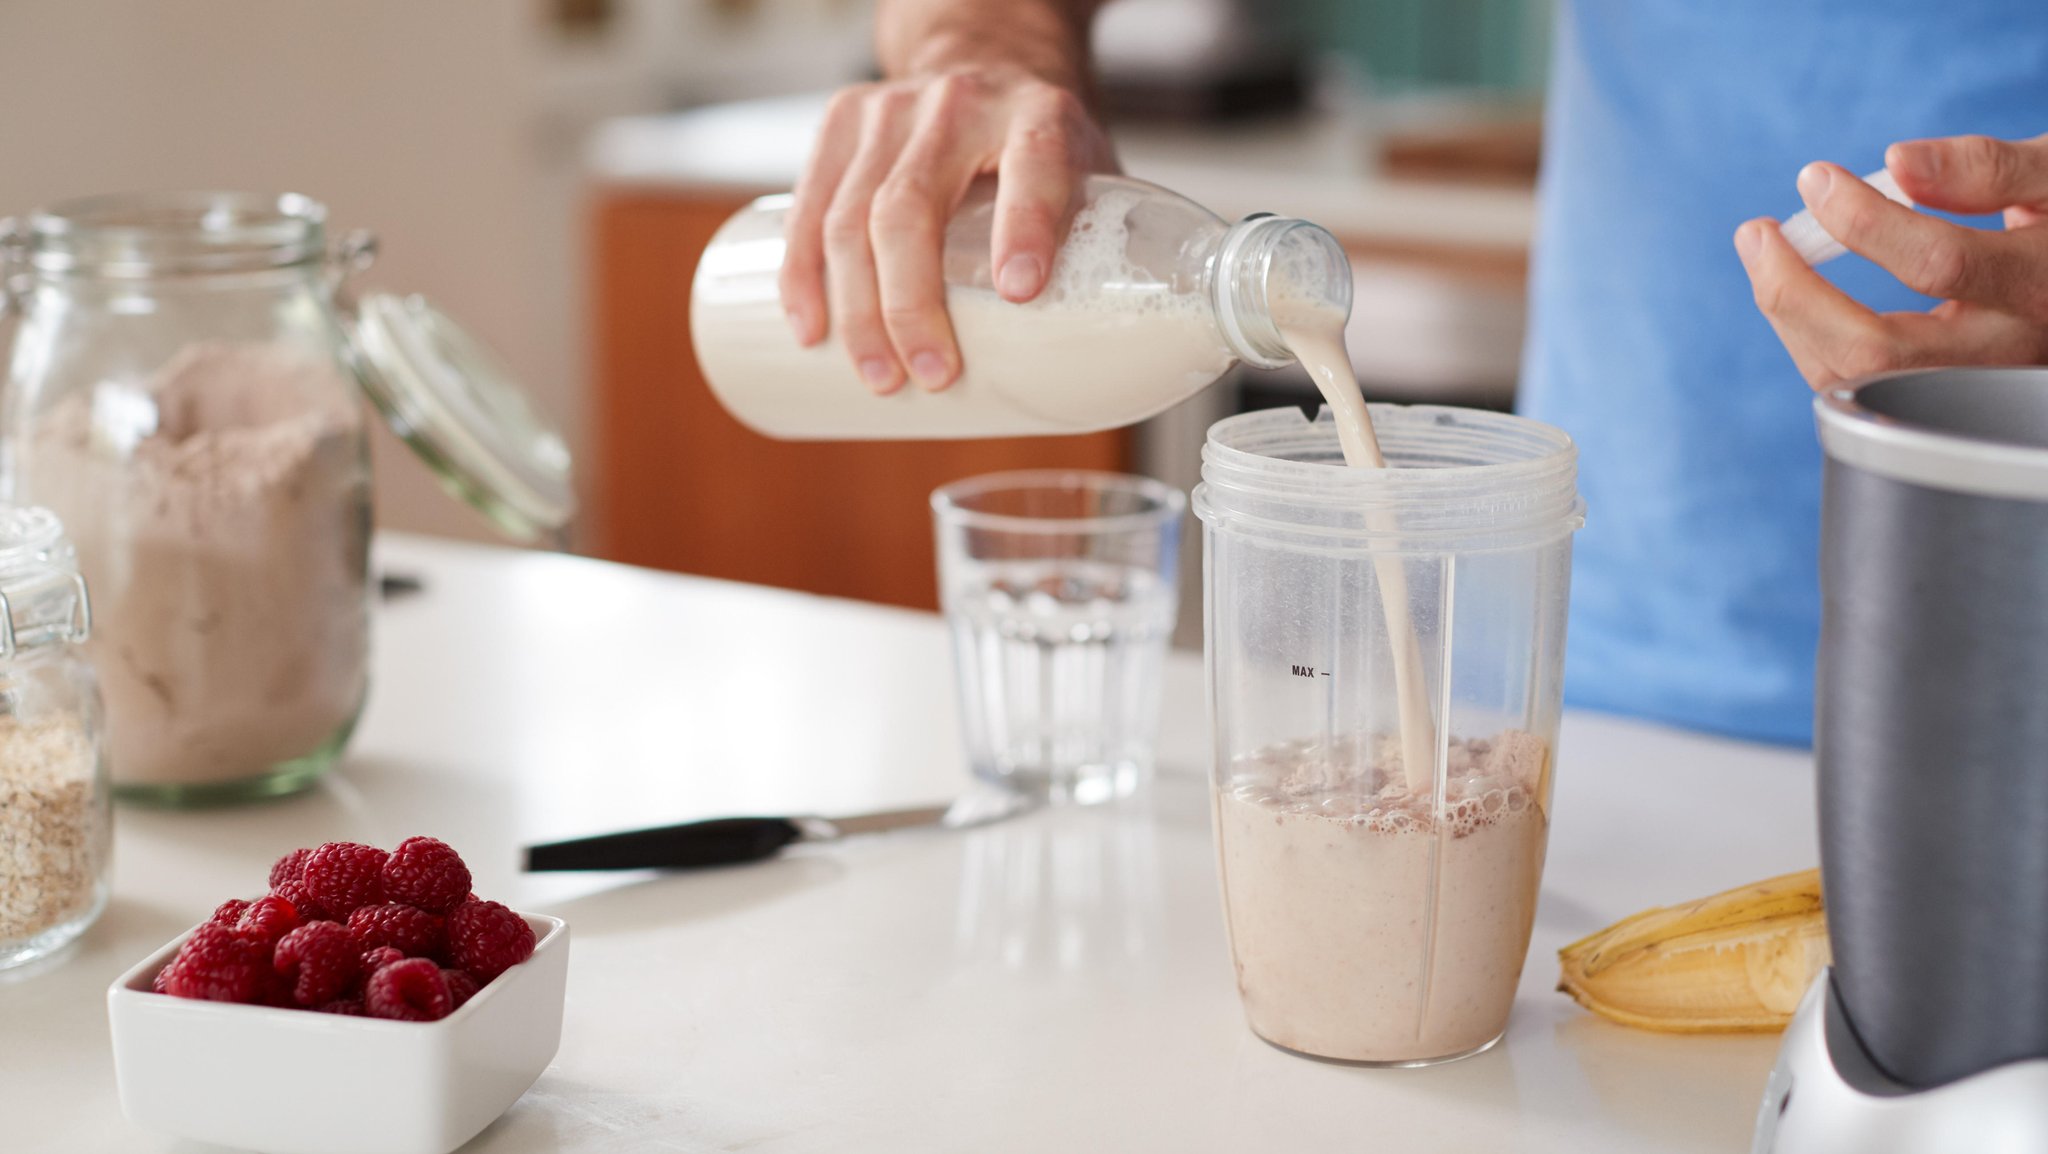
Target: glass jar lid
{"x":462,"y":413}
{"x":42,"y":596}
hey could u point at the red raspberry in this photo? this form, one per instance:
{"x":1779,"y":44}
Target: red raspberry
{"x":268,"y":919}
{"x":377,"y":959}
{"x":343,"y":876}
{"x":290,"y":867}
{"x":414,"y":931}
{"x":161,"y":980}
{"x":461,"y":987}
{"x":288,"y":881}
{"x":228,"y":913}
{"x":352,"y":1007}
{"x":487,"y":939}
{"x":317,"y":962}
{"x":217,"y":964}
{"x":425,"y":872}
{"x":411,"y":991}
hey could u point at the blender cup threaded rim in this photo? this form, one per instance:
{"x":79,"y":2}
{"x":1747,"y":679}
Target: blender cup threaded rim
{"x":1468,"y":479}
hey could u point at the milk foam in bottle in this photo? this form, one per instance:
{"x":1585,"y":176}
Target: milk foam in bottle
{"x":1150,"y":299}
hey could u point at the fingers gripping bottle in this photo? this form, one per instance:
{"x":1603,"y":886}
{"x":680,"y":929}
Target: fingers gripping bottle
{"x":1151,"y":298}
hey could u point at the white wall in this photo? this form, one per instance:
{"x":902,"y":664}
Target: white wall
{"x":453,"y":128}
{"x":393,"y":112}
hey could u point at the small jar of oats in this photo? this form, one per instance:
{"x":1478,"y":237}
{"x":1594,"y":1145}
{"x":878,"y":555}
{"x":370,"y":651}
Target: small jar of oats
{"x":54,"y":813}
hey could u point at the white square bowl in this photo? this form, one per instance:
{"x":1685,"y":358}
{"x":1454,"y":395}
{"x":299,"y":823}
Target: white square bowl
{"x":299,"y":1082}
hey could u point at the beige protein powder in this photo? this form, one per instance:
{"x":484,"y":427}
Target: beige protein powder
{"x":222,"y":523}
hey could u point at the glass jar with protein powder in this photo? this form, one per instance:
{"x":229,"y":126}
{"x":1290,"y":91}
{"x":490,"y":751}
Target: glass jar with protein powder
{"x":183,"y":388}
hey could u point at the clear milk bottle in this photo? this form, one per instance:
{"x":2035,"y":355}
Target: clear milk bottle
{"x":1151,"y":298}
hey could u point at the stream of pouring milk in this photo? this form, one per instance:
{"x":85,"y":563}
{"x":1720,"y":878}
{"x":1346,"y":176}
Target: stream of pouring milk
{"x":1315,"y":334}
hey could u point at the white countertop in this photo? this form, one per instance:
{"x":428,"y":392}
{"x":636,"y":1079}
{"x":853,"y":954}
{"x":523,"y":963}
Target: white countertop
{"x":1060,"y":981}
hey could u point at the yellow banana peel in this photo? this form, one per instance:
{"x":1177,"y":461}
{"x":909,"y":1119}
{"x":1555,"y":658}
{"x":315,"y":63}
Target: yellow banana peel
{"x":1736,"y":962}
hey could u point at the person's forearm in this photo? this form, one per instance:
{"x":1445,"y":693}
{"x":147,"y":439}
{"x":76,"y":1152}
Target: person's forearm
{"x":1048,"y":38}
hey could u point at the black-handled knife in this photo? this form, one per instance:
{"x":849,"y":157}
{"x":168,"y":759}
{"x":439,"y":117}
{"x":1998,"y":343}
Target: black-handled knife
{"x":732,"y":840}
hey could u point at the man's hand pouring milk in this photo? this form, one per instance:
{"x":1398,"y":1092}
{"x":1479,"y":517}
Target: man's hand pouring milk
{"x":979,"y":88}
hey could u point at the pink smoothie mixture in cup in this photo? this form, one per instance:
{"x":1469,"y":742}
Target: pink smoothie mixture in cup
{"x":1372,"y":925}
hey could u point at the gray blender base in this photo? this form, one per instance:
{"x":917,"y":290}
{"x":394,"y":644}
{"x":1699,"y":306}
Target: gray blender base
{"x":1825,"y":1097}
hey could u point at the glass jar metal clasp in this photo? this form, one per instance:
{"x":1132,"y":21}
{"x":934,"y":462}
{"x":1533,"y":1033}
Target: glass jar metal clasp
{"x":354,"y":253}
{"x":77,"y":628}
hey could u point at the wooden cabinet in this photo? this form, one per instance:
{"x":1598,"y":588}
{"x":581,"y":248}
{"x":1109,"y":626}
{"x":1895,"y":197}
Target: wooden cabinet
{"x":681,"y":485}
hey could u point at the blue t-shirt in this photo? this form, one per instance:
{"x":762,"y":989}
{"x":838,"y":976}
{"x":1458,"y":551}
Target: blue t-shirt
{"x":1695,"y":593}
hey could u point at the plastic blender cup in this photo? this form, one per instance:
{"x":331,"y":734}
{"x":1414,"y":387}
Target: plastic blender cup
{"x":1380,"y":912}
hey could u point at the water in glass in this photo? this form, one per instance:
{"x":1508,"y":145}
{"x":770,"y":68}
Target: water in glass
{"x":1059,"y":663}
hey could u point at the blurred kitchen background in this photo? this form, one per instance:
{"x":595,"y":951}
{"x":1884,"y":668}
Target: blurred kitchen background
{"x":547,"y":171}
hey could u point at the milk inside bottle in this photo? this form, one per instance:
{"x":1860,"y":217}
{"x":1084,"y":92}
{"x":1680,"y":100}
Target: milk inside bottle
{"x":1149,"y":300}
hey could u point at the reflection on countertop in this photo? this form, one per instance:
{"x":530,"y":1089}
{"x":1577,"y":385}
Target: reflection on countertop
{"x":1074,"y":889}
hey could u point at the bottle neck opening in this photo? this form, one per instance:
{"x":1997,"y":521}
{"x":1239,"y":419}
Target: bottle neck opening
{"x":1264,"y":265}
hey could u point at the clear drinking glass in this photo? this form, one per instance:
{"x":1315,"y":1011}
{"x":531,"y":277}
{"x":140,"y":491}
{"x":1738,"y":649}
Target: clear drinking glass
{"x":1379,"y":909}
{"x":1059,"y":587}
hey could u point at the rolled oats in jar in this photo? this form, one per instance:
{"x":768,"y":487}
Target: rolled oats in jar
{"x":54,"y":811}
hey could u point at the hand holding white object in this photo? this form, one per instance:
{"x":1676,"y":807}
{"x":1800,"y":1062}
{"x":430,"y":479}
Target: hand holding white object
{"x":1993,"y":284}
